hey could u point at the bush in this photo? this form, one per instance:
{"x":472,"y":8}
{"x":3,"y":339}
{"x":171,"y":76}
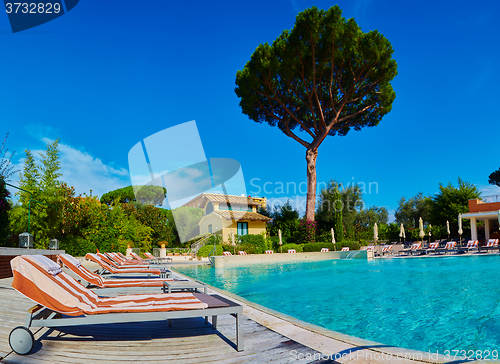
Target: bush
{"x":353,"y":245}
{"x":77,"y":247}
{"x":298,"y":247}
{"x":205,"y":250}
{"x":252,"y":244}
{"x":316,"y":247}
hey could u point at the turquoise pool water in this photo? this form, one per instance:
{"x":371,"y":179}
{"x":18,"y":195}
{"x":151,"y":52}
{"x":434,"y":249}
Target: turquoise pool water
{"x":448,"y":303}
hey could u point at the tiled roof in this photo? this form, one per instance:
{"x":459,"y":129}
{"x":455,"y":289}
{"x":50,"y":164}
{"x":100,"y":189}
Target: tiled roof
{"x":220,"y":198}
{"x":241,"y":215}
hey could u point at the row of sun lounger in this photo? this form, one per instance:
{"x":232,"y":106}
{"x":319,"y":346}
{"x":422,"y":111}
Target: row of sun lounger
{"x":450,"y":246}
{"x":61,"y":300}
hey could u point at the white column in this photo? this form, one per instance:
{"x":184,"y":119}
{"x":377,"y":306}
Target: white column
{"x":487,"y":229}
{"x":129,"y":250}
{"x":473,"y":228}
{"x":163,"y":252}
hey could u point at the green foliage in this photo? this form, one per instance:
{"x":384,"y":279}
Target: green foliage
{"x":368,"y":217}
{"x":410,"y":211}
{"x":154,"y":218}
{"x":298,"y":247}
{"x":353,"y":245}
{"x":42,"y":180}
{"x":286,"y":219}
{"x":301,"y":80}
{"x":147,"y":195}
{"x":316,"y":247}
{"x":494,"y":178}
{"x":6,"y":170}
{"x":186,"y":221}
{"x":4,"y":213}
{"x":205,"y":250}
{"x":251,"y":244}
{"x":450,"y":201}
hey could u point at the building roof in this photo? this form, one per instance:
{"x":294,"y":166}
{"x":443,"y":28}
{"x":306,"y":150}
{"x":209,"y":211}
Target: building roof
{"x":198,"y":201}
{"x":241,"y":215}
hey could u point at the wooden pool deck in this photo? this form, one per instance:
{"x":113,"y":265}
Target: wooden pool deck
{"x":270,"y":337}
{"x":187,"y":341}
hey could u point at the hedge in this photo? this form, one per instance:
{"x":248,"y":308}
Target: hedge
{"x":298,"y":247}
{"x":205,"y":250}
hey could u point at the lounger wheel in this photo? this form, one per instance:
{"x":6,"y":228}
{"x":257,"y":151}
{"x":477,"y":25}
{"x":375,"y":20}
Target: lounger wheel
{"x":21,"y":340}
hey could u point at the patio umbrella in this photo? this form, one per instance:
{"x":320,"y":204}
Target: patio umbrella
{"x":375,"y":233}
{"x":448,"y":228}
{"x":421,"y":227}
{"x":402,"y":232}
{"x":460,"y":231}
{"x":333,"y":240}
{"x":430,"y":228}
{"x":281,"y":242}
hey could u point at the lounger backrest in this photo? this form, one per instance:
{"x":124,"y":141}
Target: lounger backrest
{"x":149,"y":255}
{"x":324,"y":250}
{"x":434,"y":245}
{"x":269,"y":251}
{"x":96,"y":259}
{"x":76,"y":267}
{"x":62,"y":293}
{"x":450,"y":245}
{"x":107,"y":260}
{"x":415,"y":246}
{"x":292,"y":251}
{"x":368,"y":248}
{"x":135,"y":256}
{"x":386,"y":248}
{"x":494,"y":242}
{"x":227,"y":253}
{"x":346,"y":249}
{"x":241,"y":252}
{"x":472,"y":243}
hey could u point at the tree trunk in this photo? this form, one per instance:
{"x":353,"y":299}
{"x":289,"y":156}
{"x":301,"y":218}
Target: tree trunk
{"x":311,"y":156}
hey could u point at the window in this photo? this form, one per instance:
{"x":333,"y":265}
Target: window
{"x":210,"y":228}
{"x":209,"y":208}
{"x":243,"y":228}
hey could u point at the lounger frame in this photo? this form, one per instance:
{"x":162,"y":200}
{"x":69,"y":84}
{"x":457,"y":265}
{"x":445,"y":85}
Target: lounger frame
{"x":40,"y":316}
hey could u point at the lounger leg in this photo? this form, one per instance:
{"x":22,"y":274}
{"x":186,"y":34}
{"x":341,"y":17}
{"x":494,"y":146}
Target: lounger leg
{"x":214,"y":322}
{"x":169,"y":323}
{"x":206,"y":320}
{"x":239,"y":335}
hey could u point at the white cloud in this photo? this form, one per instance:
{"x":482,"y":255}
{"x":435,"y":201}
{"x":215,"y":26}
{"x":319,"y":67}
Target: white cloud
{"x":82,"y":171}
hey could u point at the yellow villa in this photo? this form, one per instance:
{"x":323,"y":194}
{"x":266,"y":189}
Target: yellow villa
{"x":226,"y":213}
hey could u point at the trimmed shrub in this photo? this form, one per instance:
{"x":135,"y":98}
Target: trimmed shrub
{"x":252,"y":244}
{"x":205,"y":250}
{"x":353,"y":245}
{"x":298,"y":247}
{"x":316,"y":247}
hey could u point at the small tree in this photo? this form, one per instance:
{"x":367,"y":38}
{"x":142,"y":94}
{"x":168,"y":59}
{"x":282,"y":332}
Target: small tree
{"x":451,"y":201}
{"x":6,"y":169}
{"x":410,"y":211}
{"x":324,"y":77}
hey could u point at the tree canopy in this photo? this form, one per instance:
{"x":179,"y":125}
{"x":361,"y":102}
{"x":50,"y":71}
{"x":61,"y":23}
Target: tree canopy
{"x":147,"y":195}
{"x":323,"y":77}
{"x":494,"y":178}
{"x":451,"y":201}
{"x":411,"y":210}
{"x":6,"y":169}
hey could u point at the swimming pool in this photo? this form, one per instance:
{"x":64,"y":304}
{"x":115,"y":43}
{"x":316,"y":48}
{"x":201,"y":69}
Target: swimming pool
{"x":428,"y":304}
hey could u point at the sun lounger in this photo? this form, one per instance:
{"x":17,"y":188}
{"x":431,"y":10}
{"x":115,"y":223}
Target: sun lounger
{"x":108,"y":268}
{"x":94,"y":280}
{"x":292,"y":251}
{"x":324,"y":250}
{"x":471,"y":245}
{"x":58,"y":296}
{"x":110,"y":261}
{"x":432,"y":247}
{"x":269,"y":251}
{"x":386,"y":249}
{"x":227,"y":254}
{"x":491,"y":244}
{"x":450,"y":247}
{"x":242,"y":252}
{"x":414,"y":247}
{"x":345,"y":249}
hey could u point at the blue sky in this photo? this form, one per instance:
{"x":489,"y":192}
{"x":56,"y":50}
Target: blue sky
{"x":109,"y":74}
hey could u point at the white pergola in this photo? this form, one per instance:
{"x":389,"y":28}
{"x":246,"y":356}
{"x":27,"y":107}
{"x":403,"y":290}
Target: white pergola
{"x":487,"y":216}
